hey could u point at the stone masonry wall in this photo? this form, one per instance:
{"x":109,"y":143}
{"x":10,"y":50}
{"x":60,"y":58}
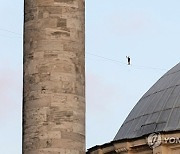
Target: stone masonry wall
{"x":54,"y":77}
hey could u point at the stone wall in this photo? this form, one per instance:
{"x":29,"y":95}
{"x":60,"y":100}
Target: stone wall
{"x":54,"y":77}
{"x":167,"y":144}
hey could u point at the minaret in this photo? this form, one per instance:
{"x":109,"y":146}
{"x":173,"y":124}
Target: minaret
{"x":54,"y":77}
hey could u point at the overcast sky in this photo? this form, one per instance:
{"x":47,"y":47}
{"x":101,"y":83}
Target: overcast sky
{"x":146,"y":30}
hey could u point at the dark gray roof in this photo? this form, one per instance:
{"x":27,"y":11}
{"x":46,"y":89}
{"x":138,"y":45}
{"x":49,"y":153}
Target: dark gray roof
{"x":157,"y":111}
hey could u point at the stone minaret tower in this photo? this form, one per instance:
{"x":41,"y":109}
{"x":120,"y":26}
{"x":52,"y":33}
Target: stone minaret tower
{"x":54,"y":77}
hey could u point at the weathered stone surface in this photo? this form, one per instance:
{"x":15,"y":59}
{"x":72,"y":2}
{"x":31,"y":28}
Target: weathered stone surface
{"x":54,"y":77}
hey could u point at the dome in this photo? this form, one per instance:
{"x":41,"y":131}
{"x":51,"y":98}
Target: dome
{"x":157,"y":111}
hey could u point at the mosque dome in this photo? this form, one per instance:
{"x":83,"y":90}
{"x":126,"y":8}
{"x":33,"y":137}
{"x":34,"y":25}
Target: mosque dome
{"x":157,"y":111}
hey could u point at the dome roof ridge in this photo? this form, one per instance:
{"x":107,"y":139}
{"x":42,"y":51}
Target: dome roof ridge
{"x":157,"y":111}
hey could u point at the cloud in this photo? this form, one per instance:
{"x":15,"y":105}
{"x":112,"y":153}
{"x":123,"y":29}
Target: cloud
{"x":130,"y":23}
{"x":101,"y":96}
{"x":10,"y":92}
{"x":104,"y":102}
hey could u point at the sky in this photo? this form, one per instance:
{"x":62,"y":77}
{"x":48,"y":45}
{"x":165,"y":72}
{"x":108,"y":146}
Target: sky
{"x":147,"y":31}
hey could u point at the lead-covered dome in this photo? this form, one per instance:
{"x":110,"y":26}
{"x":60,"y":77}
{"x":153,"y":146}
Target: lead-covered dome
{"x":157,"y":111}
